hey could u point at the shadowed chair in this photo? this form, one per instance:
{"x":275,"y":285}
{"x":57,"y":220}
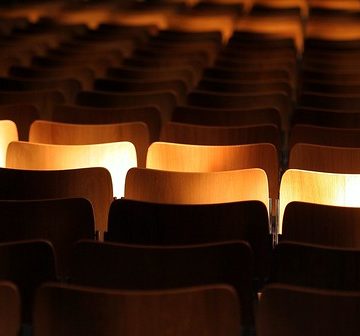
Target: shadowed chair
{"x":8,"y":133}
{"x":317,"y":187}
{"x":193,"y":134}
{"x":60,"y":221}
{"x":10,"y":309}
{"x":75,"y":114}
{"x":197,"y":158}
{"x":49,"y":132}
{"x":211,"y":310}
{"x":316,"y":266}
{"x":27,"y":264}
{"x":297,"y":311}
{"x":116,"y":157}
{"x":147,"y":223}
{"x":160,"y":186}
{"x":325,"y":158}
{"x":116,"y":266}
{"x":19,"y":184}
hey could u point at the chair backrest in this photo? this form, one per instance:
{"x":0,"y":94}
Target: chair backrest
{"x":212,"y":310}
{"x":326,"y":136}
{"x":75,"y":114}
{"x":226,"y":117}
{"x":8,"y":133}
{"x":316,"y":266}
{"x":197,"y":158}
{"x":19,"y":184}
{"x":27,"y":264}
{"x":60,"y":221}
{"x":193,"y":224}
{"x":220,"y":135}
{"x":161,"y":186}
{"x":10,"y":309}
{"x":50,"y":132}
{"x":22,"y":115}
{"x":116,"y":157}
{"x":120,"y":266}
{"x":317,"y":187}
{"x":291,"y":310}
{"x":165,"y":101}
{"x":325,"y":158}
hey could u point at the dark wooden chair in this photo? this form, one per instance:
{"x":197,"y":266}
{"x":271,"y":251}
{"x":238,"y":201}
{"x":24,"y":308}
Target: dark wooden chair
{"x":27,"y":264}
{"x":204,"y":310}
{"x":10,"y":309}
{"x":291,"y":310}
{"x":17,"y":184}
{"x":119,"y":266}
{"x":60,"y":221}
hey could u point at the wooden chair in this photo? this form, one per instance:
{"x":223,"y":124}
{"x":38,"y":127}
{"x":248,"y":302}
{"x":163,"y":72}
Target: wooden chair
{"x":326,"y":118}
{"x":43,"y":100}
{"x":22,"y":115}
{"x":326,"y":136}
{"x":328,"y":225}
{"x":117,"y":266}
{"x":208,"y":116}
{"x":19,"y":184}
{"x":68,"y":87}
{"x":277,"y":100}
{"x":60,"y":221}
{"x":316,"y":266}
{"x":177,"y":86}
{"x":319,"y":188}
{"x":27,"y":264}
{"x":325,"y":158}
{"x":193,"y":134}
{"x":193,"y":224}
{"x":243,"y":86}
{"x":8,"y":133}
{"x":116,"y":157}
{"x":10,"y":309}
{"x":292,"y":310}
{"x":159,"y":186}
{"x":50,"y":132}
{"x":165,"y":101}
{"x":75,"y":114}
{"x":197,"y":158}
{"x":211,"y":310}
{"x":324,"y":87}
{"x":81,"y":73}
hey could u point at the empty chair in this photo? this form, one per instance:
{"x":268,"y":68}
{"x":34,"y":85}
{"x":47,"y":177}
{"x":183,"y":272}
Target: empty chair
{"x":317,"y":187}
{"x":17,"y":184}
{"x":27,"y":264}
{"x":325,"y":158}
{"x":147,"y":223}
{"x":10,"y":309}
{"x":50,"y":132}
{"x":196,"y":158}
{"x":8,"y":133}
{"x":204,"y":310}
{"x":162,"y":186}
{"x":44,"y":100}
{"x":226,"y":117}
{"x":60,"y":221}
{"x":327,"y":136}
{"x":75,"y":114}
{"x":22,"y":115}
{"x":165,"y":101}
{"x":116,"y":157}
{"x":193,"y":134}
{"x":291,"y":310}
{"x":110,"y":265}
{"x":316,"y":266}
